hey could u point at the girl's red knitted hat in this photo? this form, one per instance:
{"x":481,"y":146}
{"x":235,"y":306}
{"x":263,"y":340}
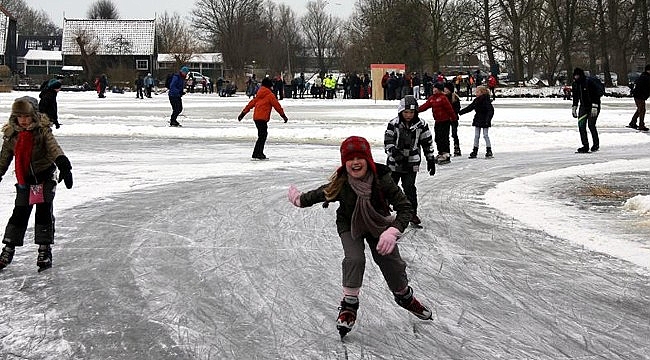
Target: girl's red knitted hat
{"x":356,"y":146}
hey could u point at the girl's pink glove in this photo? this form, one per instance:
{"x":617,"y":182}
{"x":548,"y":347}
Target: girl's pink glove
{"x":387,"y":241}
{"x":294,"y":196}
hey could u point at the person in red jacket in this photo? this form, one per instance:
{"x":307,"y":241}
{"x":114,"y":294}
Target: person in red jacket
{"x":263,"y":102}
{"x":443,"y":115}
{"x":492,"y":84}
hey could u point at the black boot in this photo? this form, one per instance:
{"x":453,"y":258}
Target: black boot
{"x":44,"y":259}
{"x":457,"y":150}
{"x":473,"y":154}
{"x":488,"y":152}
{"x":6,"y":256}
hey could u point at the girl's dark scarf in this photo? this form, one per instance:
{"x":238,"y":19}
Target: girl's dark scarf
{"x":365,"y":219}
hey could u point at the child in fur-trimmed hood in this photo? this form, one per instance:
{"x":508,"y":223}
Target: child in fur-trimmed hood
{"x":28,"y":138}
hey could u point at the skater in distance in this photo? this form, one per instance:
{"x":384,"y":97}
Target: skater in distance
{"x":175,"y":92}
{"x":403,"y":138}
{"x":28,"y":138}
{"x":484,"y":111}
{"x":586,"y":93}
{"x":641,"y":92}
{"x":263,"y":102}
{"x":365,"y":192}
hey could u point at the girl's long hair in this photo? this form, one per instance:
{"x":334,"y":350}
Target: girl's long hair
{"x":337,"y":179}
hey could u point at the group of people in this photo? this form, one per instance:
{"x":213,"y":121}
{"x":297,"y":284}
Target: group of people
{"x":144,"y":86}
{"x":397,"y":85}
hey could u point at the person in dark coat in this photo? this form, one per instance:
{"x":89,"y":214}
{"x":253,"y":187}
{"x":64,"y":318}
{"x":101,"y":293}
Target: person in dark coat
{"x":175,"y":92}
{"x":641,"y":92}
{"x":454,"y":99}
{"x":139,"y":87}
{"x":47,"y":105}
{"x":586,"y":93}
{"x":482,"y":119}
{"x":366,"y":194}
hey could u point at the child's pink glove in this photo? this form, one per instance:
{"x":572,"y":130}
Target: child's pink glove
{"x":294,"y":195}
{"x":387,"y":241}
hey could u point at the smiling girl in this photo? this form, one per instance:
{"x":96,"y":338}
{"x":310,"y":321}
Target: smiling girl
{"x":365,"y":192}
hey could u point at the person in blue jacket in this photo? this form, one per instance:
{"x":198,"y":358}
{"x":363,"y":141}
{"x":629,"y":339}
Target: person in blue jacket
{"x":175,"y":93}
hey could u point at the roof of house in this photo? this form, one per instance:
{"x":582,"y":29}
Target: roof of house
{"x":205,"y":58}
{"x":111,"y":37}
{"x":44,"y":55}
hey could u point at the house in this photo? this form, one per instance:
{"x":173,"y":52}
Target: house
{"x":7,"y":39}
{"x":109,"y":44}
{"x":29,"y":42}
{"x":208,"y":64}
{"x":42,"y":62}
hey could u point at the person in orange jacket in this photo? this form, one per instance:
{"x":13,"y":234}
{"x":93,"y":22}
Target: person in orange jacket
{"x":263,"y":102}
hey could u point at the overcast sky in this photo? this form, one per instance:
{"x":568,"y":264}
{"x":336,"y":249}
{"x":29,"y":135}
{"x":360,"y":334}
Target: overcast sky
{"x":147,"y":9}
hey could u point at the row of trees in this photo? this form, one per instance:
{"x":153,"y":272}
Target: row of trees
{"x":523,"y":37}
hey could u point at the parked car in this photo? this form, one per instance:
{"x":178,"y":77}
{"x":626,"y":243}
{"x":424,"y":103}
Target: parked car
{"x":614,"y":76}
{"x":198,"y":79}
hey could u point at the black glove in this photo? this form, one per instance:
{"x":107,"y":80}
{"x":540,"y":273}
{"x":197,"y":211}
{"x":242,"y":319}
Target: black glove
{"x":241,"y":116}
{"x":285,"y":118}
{"x":431,"y":167}
{"x":65,"y":174}
{"x":397,"y":154}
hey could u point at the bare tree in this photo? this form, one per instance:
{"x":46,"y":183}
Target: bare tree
{"x":233,"y":27}
{"x":31,"y":21}
{"x":322,"y":34}
{"x":516,"y":11}
{"x":443,"y":29}
{"x":481,"y":31}
{"x":88,"y":46}
{"x":173,"y":37}
{"x":563,"y":14}
{"x":642,"y":10}
{"x":621,"y":19}
{"x":103,"y":9}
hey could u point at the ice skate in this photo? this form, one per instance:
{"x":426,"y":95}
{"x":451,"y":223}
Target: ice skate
{"x":410,"y":303}
{"x":443,"y":159}
{"x":44,"y":259}
{"x":473,"y":154}
{"x":583,"y":150}
{"x":416,"y":222}
{"x":6,"y":256}
{"x":457,"y":151}
{"x":488,"y":153}
{"x":347,"y":315}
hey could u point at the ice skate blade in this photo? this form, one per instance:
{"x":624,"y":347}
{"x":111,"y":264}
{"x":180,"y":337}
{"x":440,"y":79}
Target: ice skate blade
{"x":343,"y":330}
{"x":43,"y":268}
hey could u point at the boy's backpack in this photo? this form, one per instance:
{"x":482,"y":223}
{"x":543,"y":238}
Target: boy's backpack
{"x":168,"y":80}
{"x":599,"y":85}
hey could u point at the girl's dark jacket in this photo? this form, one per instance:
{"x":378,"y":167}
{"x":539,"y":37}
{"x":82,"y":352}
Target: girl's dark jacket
{"x":484,"y":111}
{"x":384,"y":193}
{"x":44,"y":151}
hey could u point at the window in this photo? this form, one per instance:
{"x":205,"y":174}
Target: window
{"x":142,"y":64}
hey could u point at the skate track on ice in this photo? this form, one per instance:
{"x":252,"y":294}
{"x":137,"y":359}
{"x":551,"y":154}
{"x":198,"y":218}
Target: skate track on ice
{"x":226,"y":268}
